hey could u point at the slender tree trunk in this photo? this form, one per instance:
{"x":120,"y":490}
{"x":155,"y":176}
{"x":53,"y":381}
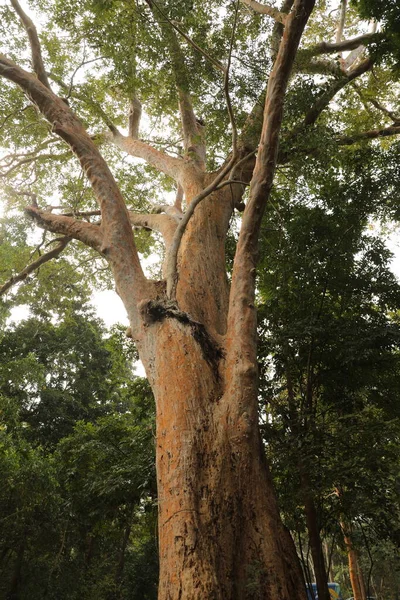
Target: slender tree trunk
{"x":355,"y":571}
{"x":121,"y":557}
{"x":16,"y":576}
{"x":315,"y":541}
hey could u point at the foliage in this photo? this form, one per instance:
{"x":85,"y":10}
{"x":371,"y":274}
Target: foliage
{"x":77,"y":465}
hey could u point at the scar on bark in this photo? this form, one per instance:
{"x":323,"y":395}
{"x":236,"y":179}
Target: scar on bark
{"x":156,"y":311}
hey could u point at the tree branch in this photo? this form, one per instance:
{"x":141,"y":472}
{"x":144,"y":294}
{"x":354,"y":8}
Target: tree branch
{"x":115,"y":240}
{"x":163,"y":223}
{"x":193,"y":130}
{"x":336,"y":86}
{"x":29,"y":159}
{"x":35,"y":264}
{"x":212,"y":60}
{"x":135,"y":113}
{"x":179,"y":198}
{"x":395,"y":118}
{"x":266,"y":9}
{"x":242,"y":318}
{"x":277,"y":30}
{"x":341,"y":22}
{"x":372,"y":134}
{"x":172,"y":257}
{"x":162,"y":162}
{"x":87,"y":233}
{"x":328,"y":48}
{"x":37,"y":61}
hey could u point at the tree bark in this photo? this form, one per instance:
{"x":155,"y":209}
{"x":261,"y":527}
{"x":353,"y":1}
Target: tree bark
{"x":220,"y":533}
{"x":355,"y":571}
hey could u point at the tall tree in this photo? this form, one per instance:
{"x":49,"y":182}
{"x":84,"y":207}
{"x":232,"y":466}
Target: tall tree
{"x":220,"y":534}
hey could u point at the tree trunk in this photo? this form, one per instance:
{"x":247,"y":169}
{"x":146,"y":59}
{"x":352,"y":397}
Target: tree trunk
{"x":315,"y":540}
{"x":16,"y":576}
{"x":355,"y":572}
{"x":220,"y":532}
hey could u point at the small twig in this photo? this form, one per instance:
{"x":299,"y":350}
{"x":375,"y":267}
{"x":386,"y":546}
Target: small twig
{"x":82,"y":64}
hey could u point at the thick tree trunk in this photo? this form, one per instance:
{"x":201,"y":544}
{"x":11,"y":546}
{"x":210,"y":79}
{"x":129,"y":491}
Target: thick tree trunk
{"x":220,"y":533}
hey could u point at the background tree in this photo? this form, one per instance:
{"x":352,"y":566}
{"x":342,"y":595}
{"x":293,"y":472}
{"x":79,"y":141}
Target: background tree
{"x":330,"y":355}
{"x":77,"y":465}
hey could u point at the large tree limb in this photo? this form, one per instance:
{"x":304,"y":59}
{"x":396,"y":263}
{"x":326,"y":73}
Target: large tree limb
{"x":164,"y":224}
{"x":88,"y":233}
{"x":372,"y":134}
{"x":172,"y":257}
{"x":44,"y":258}
{"x":117,"y":240}
{"x":242,"y":318}
{"x":266,"y":9}
{"x":37,"y":60}
{"x":336,"y":48}
{"x":162,"y":162}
